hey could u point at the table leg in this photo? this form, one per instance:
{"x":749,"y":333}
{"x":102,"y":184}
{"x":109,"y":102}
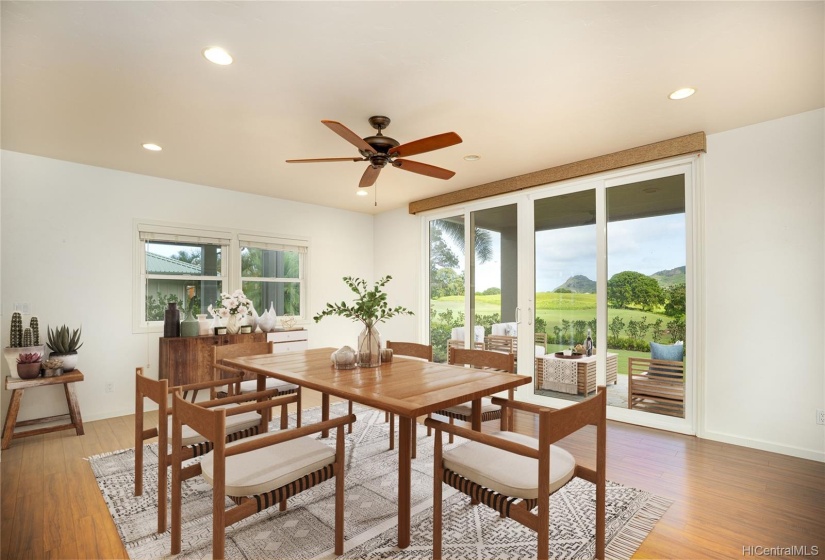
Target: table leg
{"x":404,"y":481}
{"x":74,"y":408}
{"x":324,"y":412}
{"x":414,"y":437}
{"x":11,"y":417}
{"x":476,"y":415}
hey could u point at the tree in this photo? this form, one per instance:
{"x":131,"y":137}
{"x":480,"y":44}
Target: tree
{"x":616,"y":326}
{"x":675,"y":297}
{"x":676,"y":328}
{"x":630,"y":287}
{"x":658,"y":331}
{"x":442,"y":257}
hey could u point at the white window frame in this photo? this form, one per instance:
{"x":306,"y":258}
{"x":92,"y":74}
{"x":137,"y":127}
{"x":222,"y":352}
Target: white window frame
{"x":230,"y":241}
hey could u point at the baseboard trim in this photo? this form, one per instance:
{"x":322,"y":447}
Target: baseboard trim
{"x":763,"y":445}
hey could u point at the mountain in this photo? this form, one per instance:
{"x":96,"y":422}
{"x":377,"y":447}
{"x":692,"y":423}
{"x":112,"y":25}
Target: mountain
{"x":579,"y":285}
{"x":670,"y":277}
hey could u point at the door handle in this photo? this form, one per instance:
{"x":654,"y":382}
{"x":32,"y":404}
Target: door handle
{"x":518,"y":315}
{"x":529,"y":315}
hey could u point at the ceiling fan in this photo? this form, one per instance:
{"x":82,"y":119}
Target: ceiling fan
{"x":379,"y":150}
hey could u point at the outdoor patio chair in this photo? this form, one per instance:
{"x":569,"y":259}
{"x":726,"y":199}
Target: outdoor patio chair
{"x":249,"y":383}
{"x":514,"y":473}
{"x":656,"y":386}
{"x":240,"y":426}
{"x":482,"y":359}
{"x":255,"y":473}
{"x":457,"y":338}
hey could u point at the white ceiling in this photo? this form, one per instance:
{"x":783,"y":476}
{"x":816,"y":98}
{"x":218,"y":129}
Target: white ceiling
{"x":527,"y":85}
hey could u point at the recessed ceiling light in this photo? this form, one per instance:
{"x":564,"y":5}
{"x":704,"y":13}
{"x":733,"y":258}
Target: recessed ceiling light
{"x":217,"y":55}
{"x":472,"y":157}
{"x":682,"y":93}
{"x":152,"y":147}
{"x":362,"y":192}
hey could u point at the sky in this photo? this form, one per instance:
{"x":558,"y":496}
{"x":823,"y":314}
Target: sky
{"x":645,"y":245}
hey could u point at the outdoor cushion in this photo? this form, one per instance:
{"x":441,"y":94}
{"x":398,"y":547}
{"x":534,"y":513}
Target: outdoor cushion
{"x":234,"y":424}
{"x":507,"y":473}
{"x":466,"y":409}
{"x":458,"y":334}
{"x":672,"y":352}
{"x":504,"y":329}
{"x":271,"y":467}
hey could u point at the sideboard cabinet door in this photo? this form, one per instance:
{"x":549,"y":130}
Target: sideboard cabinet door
{"x":184,"y":360}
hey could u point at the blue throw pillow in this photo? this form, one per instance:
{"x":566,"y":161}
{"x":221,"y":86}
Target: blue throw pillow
{"x":672,"y":352}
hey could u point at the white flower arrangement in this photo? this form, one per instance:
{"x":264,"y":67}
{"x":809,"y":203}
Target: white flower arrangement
{"x":235,"y":303}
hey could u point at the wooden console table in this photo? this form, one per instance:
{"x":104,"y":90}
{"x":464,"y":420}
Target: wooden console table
{"x":19,"y":385}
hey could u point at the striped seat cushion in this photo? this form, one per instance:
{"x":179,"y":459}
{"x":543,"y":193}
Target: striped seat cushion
{"x":269,"y":468}
{"x":466,"y":409}
{"x":236,"y":423}
{"x":271,"y":383}
{"x":508,"y":473}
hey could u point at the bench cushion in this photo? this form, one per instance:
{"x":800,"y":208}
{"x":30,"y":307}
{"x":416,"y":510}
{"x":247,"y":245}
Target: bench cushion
{"x":507,"y":473}
{"x":236,"y":423}
{"x":269,"y":468}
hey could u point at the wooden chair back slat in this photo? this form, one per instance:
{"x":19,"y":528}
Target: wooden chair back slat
{"x":482,"y":359}
{"x":227,"y":351}
{"x":411,"y":349}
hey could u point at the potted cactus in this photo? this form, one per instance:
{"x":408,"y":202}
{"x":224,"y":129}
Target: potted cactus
{"x":22,"y":341}
{"x":64,"y":345}
{"x":28,"y":365}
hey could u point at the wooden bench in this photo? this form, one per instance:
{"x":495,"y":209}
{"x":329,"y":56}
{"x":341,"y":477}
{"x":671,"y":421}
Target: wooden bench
{"x":656,"y":386}
{"x":17,"y":386}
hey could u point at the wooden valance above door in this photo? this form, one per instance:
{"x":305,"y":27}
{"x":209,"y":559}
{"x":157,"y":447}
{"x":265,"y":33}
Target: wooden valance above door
{"x":689,"y":144}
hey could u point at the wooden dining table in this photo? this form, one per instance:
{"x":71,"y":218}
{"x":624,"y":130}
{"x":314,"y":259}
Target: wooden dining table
{"x":406,"y":387}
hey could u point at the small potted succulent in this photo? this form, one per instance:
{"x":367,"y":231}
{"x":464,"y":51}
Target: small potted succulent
{"x":28,"y":365}
{"x":64,"y":345}
{"x":52,"y":367}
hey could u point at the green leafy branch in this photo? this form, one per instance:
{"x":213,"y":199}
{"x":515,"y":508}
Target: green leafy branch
{"x":370,"y":307}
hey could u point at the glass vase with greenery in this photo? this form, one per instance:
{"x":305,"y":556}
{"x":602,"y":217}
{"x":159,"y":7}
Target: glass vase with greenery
{"x":370,"y":307}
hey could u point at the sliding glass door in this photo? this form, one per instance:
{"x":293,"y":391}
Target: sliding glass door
{"x":587,"y":282}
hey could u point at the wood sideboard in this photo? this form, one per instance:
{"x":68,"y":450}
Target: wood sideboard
{"x":184,"y":360}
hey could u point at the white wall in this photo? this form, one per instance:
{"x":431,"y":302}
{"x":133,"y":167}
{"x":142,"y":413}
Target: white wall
{"x":398,"y":253}
{"x":764,"y":293}
{"x":765,"y":297}
{"x":67,"y":250}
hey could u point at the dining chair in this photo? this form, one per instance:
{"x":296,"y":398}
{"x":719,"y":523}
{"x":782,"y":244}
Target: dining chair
{"x":481,"y":359}
{"x":255,"y":473}
{"x":249,"y":383}
{"x":409,"y":350}
{"x":240,"y":426}
{"x":514,"y":473}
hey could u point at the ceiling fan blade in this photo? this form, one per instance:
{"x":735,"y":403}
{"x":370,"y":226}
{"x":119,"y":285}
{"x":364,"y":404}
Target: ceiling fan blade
{"x":370,"y":176}
{"x":423,"y":169}
{"x":316,"y":160}
{"x":349,"y":136}
{"x":426,"y":144}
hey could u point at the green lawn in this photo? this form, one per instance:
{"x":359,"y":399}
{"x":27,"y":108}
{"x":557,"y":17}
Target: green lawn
{"x":553,"y":308}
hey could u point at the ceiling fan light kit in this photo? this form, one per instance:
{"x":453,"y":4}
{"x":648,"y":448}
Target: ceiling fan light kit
{"x":379,"y":150}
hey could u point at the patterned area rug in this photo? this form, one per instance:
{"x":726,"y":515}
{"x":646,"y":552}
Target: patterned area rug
{"x":306,"y":529}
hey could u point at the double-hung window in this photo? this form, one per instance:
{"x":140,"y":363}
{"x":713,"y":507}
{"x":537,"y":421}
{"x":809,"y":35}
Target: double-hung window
{"x":191,"y":267}
{"x":179,"y":265}
{"x":272,"y":273}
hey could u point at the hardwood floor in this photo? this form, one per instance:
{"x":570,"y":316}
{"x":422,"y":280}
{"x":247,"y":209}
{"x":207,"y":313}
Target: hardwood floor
{"x":725,"y":497}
